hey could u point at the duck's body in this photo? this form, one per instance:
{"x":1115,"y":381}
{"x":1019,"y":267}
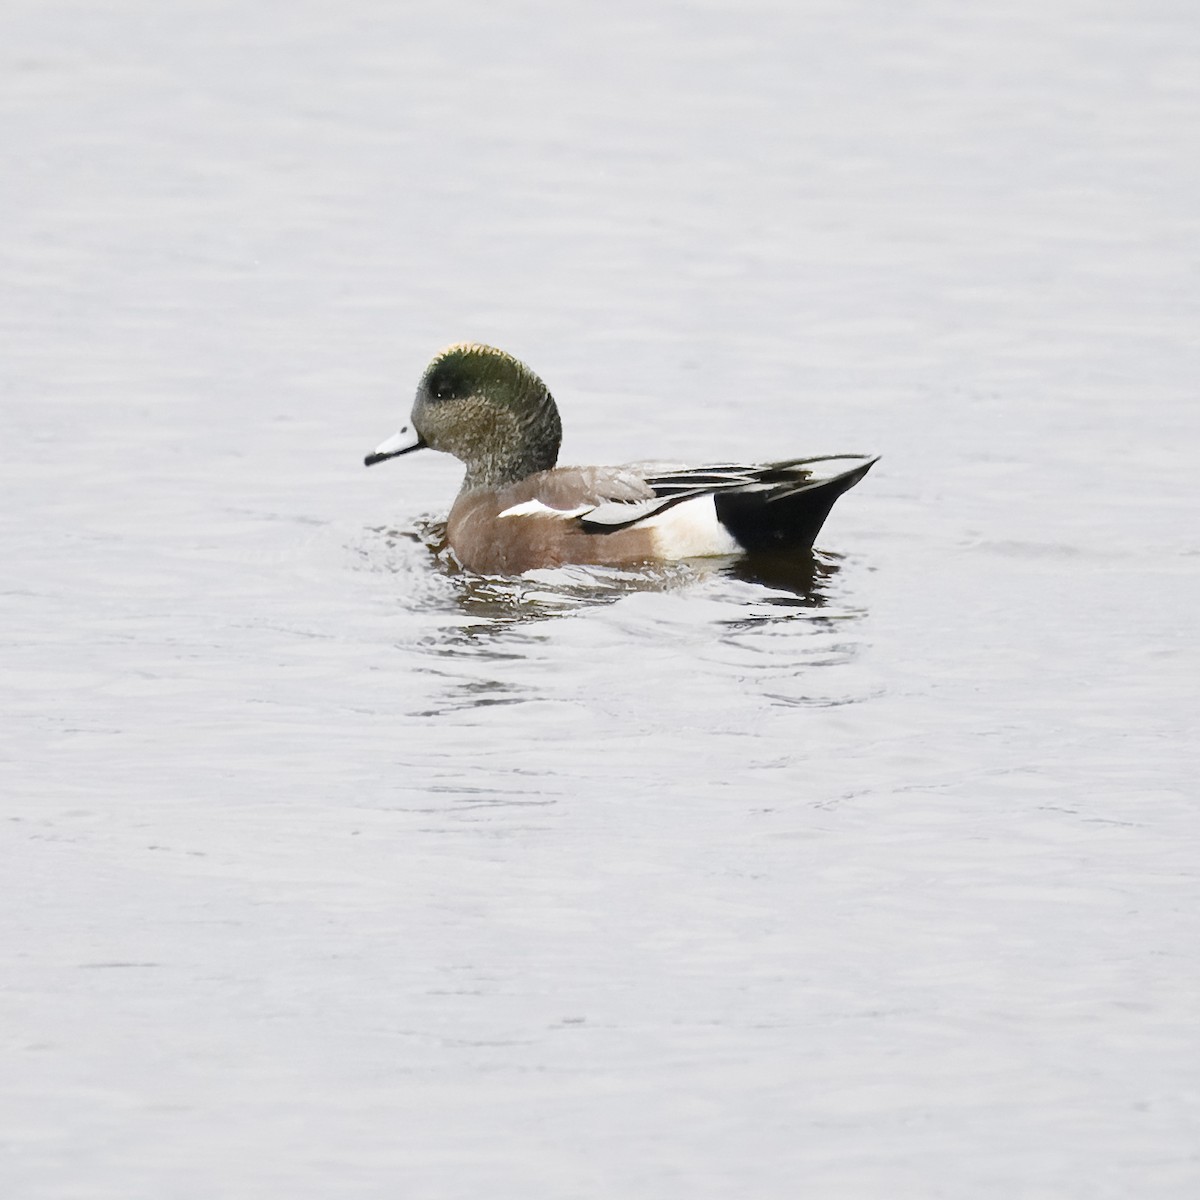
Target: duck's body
{"x":517,"y":511}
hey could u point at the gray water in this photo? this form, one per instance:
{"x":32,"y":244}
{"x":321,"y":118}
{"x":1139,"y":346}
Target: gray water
{"x":330,"y":872}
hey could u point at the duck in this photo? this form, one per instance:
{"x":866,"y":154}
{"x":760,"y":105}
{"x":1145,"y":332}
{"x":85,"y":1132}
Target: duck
{"x":519,"y":511}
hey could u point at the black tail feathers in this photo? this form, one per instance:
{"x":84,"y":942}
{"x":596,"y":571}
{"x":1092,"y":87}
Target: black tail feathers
{"x":787,"y":516}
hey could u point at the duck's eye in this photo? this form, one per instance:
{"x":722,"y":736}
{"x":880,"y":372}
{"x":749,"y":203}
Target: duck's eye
{"x":447,"y":382}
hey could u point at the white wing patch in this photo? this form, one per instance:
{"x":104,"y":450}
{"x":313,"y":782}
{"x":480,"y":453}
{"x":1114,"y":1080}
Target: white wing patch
{"x":690,"y":529}
{"x":622,"y":512}
{"x":535,"y":508}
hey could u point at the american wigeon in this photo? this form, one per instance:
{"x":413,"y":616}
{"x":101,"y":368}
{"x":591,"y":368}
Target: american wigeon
{"x":517,"y":511}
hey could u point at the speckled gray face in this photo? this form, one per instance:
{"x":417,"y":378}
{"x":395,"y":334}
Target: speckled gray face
{"x":436,"y":418}
{"x":488,"y":410}
{"x":453,"y":409}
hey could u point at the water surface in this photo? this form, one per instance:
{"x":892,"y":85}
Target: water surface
{"x":331,"y":871}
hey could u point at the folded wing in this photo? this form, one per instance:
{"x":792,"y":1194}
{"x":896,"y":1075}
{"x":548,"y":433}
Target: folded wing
{"x":736,"y":489}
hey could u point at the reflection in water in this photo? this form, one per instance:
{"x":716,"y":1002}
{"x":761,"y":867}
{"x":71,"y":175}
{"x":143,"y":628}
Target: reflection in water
{"x":804,"y":576}
{"x":541,"y":595}
{"x":781,"y":586}
{"x":776,"y":628}
{"x":733,"y":619}
{"x":781,"y":589}
{"x":474,"y":693}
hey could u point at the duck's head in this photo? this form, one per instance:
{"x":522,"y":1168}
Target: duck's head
{"x":487,"y":409}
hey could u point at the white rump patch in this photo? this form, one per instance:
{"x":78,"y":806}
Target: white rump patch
{"x":535,"y":508}
{"x":690,"y":529}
